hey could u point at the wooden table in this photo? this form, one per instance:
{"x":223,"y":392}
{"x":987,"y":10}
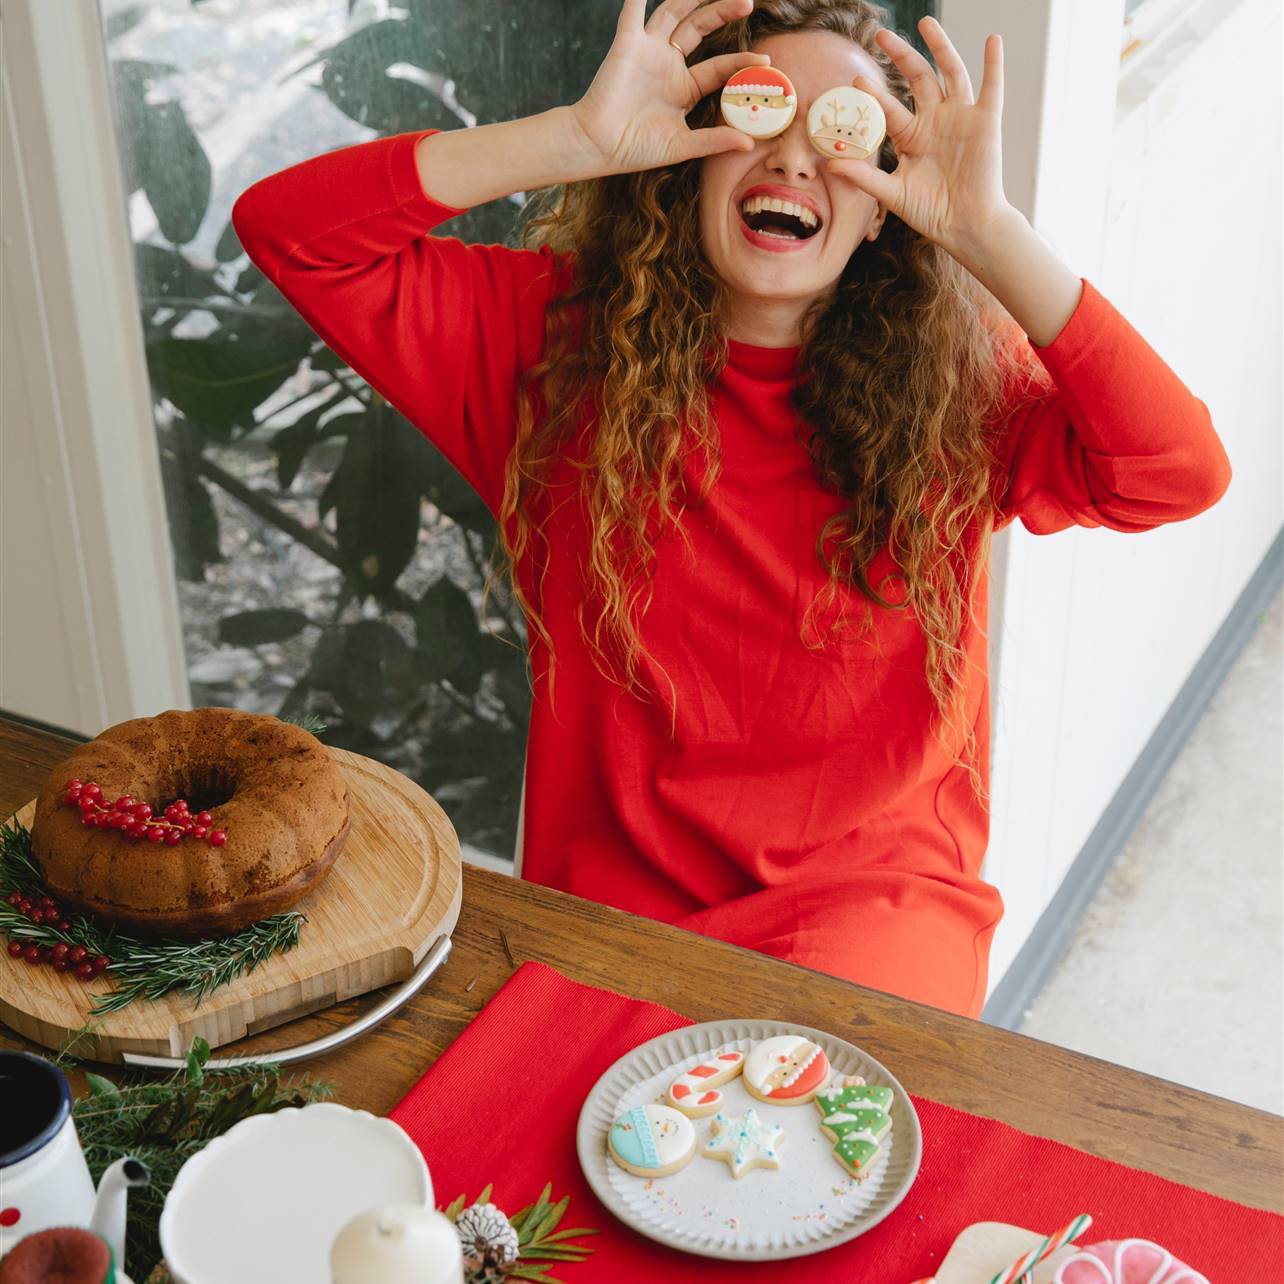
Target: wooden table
{"x":1188,"y":1136}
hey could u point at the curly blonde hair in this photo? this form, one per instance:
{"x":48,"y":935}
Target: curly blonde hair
{"x":902,"y":368}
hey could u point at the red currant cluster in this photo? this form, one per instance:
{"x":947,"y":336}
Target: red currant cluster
{"x":135,"y":820}
{"x":61,"y":957}
{"x":39,"y":909}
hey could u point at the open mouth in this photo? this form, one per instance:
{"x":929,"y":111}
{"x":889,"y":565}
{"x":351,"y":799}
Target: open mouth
{"x":775,"y":217}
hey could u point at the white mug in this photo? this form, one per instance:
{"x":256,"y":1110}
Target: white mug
{"x":44,"y":1180}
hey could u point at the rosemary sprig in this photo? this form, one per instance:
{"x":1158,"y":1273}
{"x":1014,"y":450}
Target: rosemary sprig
{"x":164,"y":1122}
{"x":140,"y":969}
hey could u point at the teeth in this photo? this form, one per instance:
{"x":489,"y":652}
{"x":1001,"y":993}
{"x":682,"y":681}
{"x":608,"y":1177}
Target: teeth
{"x":756,"y":203}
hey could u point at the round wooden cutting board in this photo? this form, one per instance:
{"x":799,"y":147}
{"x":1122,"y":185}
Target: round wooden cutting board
{"x":394,"y":889}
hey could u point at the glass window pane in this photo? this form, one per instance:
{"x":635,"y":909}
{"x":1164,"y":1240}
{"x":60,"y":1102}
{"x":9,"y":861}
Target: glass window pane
{"x":297,"y":594}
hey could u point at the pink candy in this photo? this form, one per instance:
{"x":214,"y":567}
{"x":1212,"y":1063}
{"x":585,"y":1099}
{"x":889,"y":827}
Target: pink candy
{"x":1125,"y":1261}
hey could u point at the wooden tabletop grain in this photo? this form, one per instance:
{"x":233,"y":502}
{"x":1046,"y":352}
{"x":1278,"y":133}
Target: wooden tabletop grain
{"x":1188,"y":1136}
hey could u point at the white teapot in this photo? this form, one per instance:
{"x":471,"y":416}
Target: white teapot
{"x":397,"y":1244}
{"x":44,"y":1180}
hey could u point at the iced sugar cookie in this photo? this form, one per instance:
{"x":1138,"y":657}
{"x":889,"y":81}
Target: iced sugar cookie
{"x":696,"y":1093}
{"x":759,"y":101}
{"x":846,"y":122}
{"x":652,"y":1141}
{"x":786,"y":1070}
{"x":854,"y":1115}
{"x":744,"y":1142}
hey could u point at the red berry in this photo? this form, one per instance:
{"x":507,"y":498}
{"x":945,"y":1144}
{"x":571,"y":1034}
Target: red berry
{"x":92,"y":790}
{"x":203,"y":818}
{"x":155,"y":833}
{"x":199,"y":831}
{"x":37,"y":916}
{"x":101,"y":963}
{"x":124,"y":802}
{"x":63,"y":925}
{"x":59,"y":951}
{"x":217,"y":837}
{"x":15,"y":949}
{"x":46,"y":902}
{"x":60,"y":965}
{"x":173,"y":837}
{"x":77,"y":953}
{"x":85,"y":971}
{"x":31,"y":952}
{"x":13,"y":898}
{"x":74,"y":783}
{"x":24,"y":906}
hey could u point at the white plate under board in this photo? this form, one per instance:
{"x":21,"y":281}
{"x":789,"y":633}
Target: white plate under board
{"x":808,"y":1204}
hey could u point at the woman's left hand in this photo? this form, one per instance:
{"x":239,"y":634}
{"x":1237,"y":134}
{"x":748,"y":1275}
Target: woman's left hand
{"x":948,"y":182}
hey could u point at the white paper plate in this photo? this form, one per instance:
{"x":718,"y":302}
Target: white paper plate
{"x":808,"y":1204}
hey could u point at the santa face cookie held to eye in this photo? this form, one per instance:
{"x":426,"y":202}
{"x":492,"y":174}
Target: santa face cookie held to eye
{"x":776,"y":226}
{"x":759,"y":101}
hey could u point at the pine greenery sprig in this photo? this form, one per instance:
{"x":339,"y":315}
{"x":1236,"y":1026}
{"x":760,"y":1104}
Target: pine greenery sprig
{"x":540,"y":1243}
{"x":140,"y":969}
{"x":164,"y":1122}
{"x":310,"y":722}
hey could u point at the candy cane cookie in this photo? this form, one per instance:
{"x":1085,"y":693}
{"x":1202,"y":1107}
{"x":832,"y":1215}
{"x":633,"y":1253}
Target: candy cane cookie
{"x":786,"y":1070}
{"x":696,"y":1093}
{"x":652,"y":1141}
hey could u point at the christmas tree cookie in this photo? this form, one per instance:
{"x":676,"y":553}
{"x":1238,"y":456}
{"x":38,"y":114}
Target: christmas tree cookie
{"x":854,"y":1115}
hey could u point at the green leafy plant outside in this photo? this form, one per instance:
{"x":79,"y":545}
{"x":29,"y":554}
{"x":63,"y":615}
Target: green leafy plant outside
{"x":421,"y":679}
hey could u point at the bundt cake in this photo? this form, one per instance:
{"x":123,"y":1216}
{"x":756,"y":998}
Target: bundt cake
{"x":267,"y":811}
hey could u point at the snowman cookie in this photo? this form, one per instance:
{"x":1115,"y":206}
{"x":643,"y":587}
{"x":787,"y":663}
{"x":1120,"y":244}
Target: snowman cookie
{"x":744,"y":1142}
{"x":696,"y":1093}
{"x":846,"y":123}
{"x":854,"y":1115}
{"x":652,"y":1141}
{"x":786,"y":1070}
{"x":759,"y":101}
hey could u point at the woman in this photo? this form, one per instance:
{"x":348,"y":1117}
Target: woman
{"x":747,"y":468}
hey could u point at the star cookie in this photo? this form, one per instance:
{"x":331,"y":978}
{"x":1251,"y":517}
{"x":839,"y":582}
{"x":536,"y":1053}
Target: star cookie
{"x":744,"y":1142}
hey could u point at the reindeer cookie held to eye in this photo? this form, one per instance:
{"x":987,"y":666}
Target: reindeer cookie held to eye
{"x":846,"y":123}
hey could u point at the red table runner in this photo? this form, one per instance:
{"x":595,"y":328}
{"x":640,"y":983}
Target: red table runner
{"x":501,"y":1105}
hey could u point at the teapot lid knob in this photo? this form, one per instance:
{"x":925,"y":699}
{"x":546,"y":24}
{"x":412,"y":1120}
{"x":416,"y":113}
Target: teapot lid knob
{"x":397,"y":1244}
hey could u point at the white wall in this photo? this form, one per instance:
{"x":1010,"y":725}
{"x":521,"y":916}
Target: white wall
{"x":89,"y":626}
{"x":1167,"y":196}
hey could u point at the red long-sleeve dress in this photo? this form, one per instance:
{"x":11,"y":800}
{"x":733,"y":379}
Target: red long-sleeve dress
{"x":802,"y":806}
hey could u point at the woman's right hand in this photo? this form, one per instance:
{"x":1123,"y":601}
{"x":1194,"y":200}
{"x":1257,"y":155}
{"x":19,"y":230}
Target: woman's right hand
{"x":632,"y":116}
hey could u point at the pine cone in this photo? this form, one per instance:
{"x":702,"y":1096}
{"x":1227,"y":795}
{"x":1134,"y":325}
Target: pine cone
{"x":490,"y":1272}
{"x":487,"y":1238}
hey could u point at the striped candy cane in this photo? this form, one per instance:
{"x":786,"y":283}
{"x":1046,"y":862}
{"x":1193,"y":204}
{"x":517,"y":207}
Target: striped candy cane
{"x":1018,"y":1270}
